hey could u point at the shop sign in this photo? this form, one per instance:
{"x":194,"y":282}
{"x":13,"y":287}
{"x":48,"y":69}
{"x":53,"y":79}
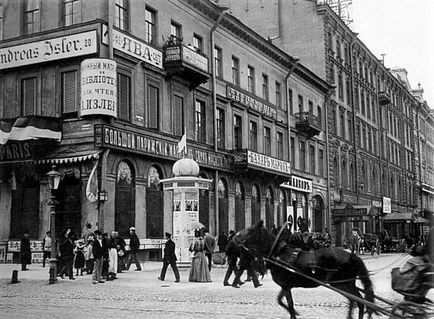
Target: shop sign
{"x":377,"y":204}
{"x":173,"y":54}
{"x":298,"y":184}
{"x":268,"y":163}
{"x":15,"y":152}
{"x":132,"y":47}
{"x":387,"y":205}
{"x":49,"y":50}
{"x":250,"y":102}
{"x":98,"y":87}
{"x":107,"y":136}
{"x":192,"y":57}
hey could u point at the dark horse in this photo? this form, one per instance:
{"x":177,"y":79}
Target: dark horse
{"x":334,"y":266}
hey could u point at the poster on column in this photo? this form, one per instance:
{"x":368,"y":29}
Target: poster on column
{"x":290,"y":217}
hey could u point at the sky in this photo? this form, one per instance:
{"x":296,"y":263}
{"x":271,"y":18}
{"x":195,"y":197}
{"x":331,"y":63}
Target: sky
{"x":403,"y":30}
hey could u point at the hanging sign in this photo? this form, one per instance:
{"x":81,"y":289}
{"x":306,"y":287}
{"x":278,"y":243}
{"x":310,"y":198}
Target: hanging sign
{"x":98,"y":87}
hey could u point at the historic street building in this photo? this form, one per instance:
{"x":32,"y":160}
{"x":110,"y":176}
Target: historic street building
{"x":104,"y":90}
{"x":378,"y":131}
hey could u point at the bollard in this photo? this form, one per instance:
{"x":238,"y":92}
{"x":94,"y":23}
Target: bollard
{"x":14,"y":277}
{"x":52,"y":276}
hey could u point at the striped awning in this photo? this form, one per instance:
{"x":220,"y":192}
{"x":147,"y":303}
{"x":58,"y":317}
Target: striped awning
{"x":76,"y":157}
{"x":30,"y":128}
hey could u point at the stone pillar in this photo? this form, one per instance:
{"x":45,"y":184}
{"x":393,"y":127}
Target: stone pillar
{"x":140,"y":207}
{"x":44,"y":209}
{"x":248,"y":210}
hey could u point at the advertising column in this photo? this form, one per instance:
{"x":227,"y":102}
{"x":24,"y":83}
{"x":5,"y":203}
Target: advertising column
{"x":185,"y":216}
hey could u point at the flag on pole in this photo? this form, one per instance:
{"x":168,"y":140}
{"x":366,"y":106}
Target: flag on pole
{"x":182,"y":144}
{"x":92,"y":185}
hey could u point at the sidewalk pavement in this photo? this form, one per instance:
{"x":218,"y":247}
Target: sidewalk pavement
{"x":148,"y":277}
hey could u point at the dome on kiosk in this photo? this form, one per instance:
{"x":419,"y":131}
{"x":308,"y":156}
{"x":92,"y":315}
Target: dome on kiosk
{"x":185,"y":167}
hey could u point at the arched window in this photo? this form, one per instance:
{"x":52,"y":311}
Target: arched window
{"x":344,"y":174}
{"x":269,"y":208}
{"x":154,"y":204}
{"x":240,"y":207}
{"x":223,"y":205}
{"x":255,"y":205}
{"x":124,"y":199}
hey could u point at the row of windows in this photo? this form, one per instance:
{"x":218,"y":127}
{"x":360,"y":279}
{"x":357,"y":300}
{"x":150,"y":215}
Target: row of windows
{"x":310,"y":158}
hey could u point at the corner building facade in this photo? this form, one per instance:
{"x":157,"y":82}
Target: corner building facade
{"x":181,"y":67}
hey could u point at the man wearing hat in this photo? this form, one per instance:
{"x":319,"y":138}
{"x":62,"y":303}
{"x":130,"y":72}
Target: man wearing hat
{"x":98,"y":247}
{"x":134,"y":247}
{"x":169,"y":258}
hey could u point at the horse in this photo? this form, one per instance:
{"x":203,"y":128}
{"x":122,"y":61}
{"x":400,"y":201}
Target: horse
{"x":333,"y":266}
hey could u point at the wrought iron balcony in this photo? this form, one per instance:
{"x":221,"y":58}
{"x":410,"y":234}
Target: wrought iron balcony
{"x":307,"y":124}
{"x":185,"y":62}
{"x":384,"y":98}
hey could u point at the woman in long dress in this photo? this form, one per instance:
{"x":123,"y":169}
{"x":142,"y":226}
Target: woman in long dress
{"x":199,"y":267}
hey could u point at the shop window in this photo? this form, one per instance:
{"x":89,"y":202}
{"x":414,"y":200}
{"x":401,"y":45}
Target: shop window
{"x":240,"y":207}
{"x":154,"y":204}
{"x":223,"y":205}
{"x":72,"y":12}
{"x":124,"y":199}
{"x":25,"y":209}
{"x":255,"y":205}
{"x":269,"y":208}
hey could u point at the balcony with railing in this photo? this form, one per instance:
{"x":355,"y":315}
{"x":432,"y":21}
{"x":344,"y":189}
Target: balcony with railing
{"x":185,"y":62}
{"x":307,"y":124}
{"x":384,"y":98}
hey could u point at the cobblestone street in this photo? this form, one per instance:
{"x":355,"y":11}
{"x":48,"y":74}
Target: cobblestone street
{"x":140,"y":294}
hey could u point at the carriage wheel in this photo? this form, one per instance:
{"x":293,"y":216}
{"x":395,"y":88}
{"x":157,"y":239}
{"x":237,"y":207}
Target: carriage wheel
{"x":408,"y":310}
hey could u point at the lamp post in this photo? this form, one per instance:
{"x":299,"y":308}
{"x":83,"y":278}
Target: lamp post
{"x":53,"y":179}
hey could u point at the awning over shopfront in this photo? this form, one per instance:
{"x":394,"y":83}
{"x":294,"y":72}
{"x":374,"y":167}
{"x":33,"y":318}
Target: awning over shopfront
{"x":75,"y":157}
{"x":30,"y":128}
{"x":398,"y":217}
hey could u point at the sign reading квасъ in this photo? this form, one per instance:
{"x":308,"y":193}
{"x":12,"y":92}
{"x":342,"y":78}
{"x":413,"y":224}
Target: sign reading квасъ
{"x":48,"y":50}
{"x":98,"y":87}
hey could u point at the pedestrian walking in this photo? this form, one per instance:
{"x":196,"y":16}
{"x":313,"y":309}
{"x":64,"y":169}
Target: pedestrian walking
{"x":134,"y":248}
{"x":46,"y":247}
{"x":232,"y":264}
{"x":88,"y":254}
{"x":222,"y":241}
{"x":98,"y":247}
{"x":209,"y":241}
{"x":169,"y":258}
{"x":199,"y":269}
{"x":25,"y":252}
{"x":79,"y":261}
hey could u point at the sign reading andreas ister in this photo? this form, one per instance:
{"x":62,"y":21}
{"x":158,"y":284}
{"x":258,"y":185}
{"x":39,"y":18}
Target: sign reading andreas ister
{"x":98,"y":87}
{"x":48,"y":50}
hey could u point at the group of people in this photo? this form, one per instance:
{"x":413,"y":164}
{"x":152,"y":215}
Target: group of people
{"x":96,"y":253}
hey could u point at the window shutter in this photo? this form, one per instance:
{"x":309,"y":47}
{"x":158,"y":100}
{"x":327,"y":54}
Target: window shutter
{"x":69,"y":91}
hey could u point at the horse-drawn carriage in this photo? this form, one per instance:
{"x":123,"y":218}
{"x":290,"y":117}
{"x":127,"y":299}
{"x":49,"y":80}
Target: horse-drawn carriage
{"x":333,"y":268}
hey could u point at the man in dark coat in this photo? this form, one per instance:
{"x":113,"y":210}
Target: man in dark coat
{"x":66,"y":252}
{"x":222,"y":241}
{"x":169,"y":258}
{"x":209,"y":241}
{"x":25,"y":253}
{"x":98,"y":247}
{"x":134,"y":248}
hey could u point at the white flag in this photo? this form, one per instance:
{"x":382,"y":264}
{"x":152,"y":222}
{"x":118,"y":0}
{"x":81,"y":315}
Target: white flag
{"x":92,"y":185}
{"x":182,"y":144}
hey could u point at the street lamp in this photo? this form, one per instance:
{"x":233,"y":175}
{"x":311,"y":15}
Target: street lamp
{"x":53,"y":180}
